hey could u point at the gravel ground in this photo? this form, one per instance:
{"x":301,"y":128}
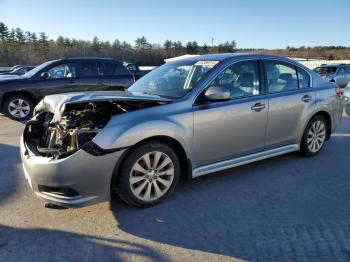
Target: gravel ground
{"x":288,"y":208}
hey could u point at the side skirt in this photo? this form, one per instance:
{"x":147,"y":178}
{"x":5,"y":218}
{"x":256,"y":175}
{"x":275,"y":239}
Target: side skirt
{"x":218,"y":166}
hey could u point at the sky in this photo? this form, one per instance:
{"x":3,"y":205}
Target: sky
{"x":251,"y":23}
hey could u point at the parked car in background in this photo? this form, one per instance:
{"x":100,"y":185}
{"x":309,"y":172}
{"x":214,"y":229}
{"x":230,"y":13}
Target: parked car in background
{"x":186,"y":118}
{"x":19,"y":94}
{"x":9,"y":69}
{"x":337,"y":73}
{"x":20,"y":70}
{"x":135,"y":70}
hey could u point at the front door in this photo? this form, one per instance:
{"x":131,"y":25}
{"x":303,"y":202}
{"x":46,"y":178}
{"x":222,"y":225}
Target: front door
{"x":224,"y":130}
{"x":61,"y":78}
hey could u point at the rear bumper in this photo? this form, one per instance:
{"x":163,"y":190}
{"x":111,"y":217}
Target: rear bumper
{"x":87,"y":176}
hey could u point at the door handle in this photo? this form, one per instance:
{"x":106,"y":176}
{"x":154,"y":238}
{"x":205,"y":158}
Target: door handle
{"x":258,"y":107}
{"x":306,"y":98}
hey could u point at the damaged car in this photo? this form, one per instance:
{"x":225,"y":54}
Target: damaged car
{"x":185,"y":119}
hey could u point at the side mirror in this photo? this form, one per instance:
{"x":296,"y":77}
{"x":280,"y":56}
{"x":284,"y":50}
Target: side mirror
{"x":217,"y":93}
{"x":44,"y":75}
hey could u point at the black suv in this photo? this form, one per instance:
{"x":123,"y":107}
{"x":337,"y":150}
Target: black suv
{"x":19,"y":94}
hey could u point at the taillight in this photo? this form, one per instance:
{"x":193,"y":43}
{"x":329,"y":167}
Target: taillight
{"x":338,"y":91}
{"x":133,"y":79}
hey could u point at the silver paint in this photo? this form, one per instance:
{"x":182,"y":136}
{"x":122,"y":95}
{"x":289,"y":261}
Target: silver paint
{"x":214,"y":136}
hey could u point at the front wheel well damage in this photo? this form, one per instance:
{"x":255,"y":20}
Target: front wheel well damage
{"x":186,"y":166}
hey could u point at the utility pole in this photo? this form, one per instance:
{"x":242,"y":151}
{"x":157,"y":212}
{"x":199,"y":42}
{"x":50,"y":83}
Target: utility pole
{"x":212,"y":41}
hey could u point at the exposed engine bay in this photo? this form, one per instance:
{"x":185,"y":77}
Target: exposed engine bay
{"x":78,"y":124}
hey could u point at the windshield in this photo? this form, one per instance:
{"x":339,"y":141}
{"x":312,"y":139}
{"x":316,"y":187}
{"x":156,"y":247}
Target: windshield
{"x":326,"y":70}
{"x":173,"y":80}
{"x":37,"y":69}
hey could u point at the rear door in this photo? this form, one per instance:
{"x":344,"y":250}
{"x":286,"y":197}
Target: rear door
{"x":62,"y":78}
{"x":290,"y":100}
{"x":119,"y":77}
{"x":92,"y":76}
{"x":224,"y":130}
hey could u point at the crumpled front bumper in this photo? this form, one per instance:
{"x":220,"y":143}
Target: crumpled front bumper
{"x":88,"y":176}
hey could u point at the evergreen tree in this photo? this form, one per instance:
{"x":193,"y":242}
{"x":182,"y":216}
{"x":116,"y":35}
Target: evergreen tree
{"x":20,"y":36}
{"x":4,"y":32}
{"x":60,"y":41}
{"x":141,"y":43}
{"x":168,"y":44}
{"x":116,"y":45}
{"x":95,"y":45}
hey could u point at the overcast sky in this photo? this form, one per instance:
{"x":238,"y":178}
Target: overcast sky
{"x":251,"y":23}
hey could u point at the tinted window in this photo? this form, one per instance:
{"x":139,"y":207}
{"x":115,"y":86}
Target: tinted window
{"x":280,"y":76}
{"x":111,"y":68}
{"x":341,"y":72}
{"x":242,"y":79}
{"x":91,"y":69}
{"x":303,"y":77}
{"x":325,"y":70}
{"x":347,"y":70}
{"x":62,"y":71}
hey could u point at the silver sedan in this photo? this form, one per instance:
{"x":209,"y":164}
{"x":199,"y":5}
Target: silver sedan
{"x":184,"y":119}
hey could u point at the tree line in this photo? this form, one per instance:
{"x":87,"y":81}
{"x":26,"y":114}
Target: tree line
{"x":25,"y":47}
{"x":19,"y":47}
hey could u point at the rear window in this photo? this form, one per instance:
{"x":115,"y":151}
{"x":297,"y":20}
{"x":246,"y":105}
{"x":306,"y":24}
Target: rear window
{"x":325,"y":70}
{"x":303,"y":78}
{"x":91,"y":69}
{"x":111,"y":68}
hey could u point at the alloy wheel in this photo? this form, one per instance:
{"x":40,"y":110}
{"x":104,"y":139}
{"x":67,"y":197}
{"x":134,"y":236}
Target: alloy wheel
{"x":19,"y":108}
{"x":151,"y":176}
{"x":316,"y":136}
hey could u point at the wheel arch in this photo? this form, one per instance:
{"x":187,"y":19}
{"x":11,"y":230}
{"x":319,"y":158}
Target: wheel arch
{"x":17,"y":92}
{"x":185,"y":162}
{"x":327,"y":116}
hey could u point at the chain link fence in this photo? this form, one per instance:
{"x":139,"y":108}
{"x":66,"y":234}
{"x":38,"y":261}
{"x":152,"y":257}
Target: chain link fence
{"x":310,"y":63}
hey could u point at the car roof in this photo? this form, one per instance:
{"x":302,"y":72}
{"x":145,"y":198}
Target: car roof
{"x":226,"y":56}
{"x":89,"y":59}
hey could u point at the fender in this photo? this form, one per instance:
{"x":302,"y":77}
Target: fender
{"x":127,"y":134}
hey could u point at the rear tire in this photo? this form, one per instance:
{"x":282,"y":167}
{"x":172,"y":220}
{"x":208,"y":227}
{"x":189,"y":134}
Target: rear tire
{"x":18,"y":107}
{"x":148,"y":174}
{"x":314,"y":136}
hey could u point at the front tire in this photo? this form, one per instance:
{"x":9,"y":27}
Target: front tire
{"x":18,"y":107}
{"x":148,"y":175}
{"x":314,"y":136}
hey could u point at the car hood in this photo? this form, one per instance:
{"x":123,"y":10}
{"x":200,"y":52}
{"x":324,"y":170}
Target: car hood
{"x":56,"y":103}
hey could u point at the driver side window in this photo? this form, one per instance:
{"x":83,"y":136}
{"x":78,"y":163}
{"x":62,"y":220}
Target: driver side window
{"x":62,"y":71}
{"x":242,"y":79}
